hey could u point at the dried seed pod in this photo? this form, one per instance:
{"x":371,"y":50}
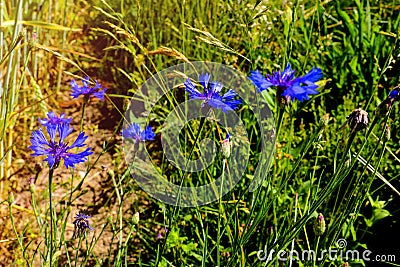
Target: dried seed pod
{"x":357,"y":120}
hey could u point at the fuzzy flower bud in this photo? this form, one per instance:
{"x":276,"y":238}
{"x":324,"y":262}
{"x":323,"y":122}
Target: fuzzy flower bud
{"x":226,"y":147}
{"x":319,"y":225}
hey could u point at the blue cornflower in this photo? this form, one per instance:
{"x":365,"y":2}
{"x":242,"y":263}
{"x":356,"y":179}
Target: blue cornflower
{"x":212,"y":95}
{"x":288,"y":86}
{"x":136,"y":134}
{"x":86,"y":90}
{"x":57,"y":150}
{"x":395,"y":93}
{"x":81,"y":224}
{"x":53,"y":120}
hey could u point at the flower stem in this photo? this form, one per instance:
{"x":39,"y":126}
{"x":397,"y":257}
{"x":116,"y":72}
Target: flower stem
{"x":85,"y":100}
{"x":51,"y":172}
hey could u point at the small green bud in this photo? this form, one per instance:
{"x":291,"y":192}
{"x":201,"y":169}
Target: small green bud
{"x":135,"y":218}
{"x":10,"y":199}
{"x":32,"y":184}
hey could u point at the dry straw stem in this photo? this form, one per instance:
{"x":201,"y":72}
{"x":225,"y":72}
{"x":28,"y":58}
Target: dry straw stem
{"x":123,"y":32}
{"x":41,"y":24}
{"x":58,"y":55}
{"x":171,"y":52}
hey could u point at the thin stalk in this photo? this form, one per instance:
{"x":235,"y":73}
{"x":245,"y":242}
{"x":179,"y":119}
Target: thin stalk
{"x":85,"y":101}
{"x":295,"y":219}
{"x":221,"y":209}
{"x":316,"y":252}
{"x":10,"y":204}
{"x":51,"y":215}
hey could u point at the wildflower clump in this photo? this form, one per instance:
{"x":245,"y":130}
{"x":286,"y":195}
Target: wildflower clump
{"x":212,"y":94}
{"x":288,"y":87}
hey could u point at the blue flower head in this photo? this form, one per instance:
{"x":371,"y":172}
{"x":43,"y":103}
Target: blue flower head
{"x":134,"y":132}
{"x":53,"y":120}
{"x":86,"y":90}
{"x":288,"y":86}
{"x":58,"y":150}
{"x":395,"y":93}
{"x":212,"y":94}
{"x":81,"y":224}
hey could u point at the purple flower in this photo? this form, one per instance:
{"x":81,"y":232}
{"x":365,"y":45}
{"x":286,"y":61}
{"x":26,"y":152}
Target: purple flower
{"x":212,"y":94}
{"x":86,"y":90}
{"x":135,"y":133}
{"x":53,"y":120}
{"x":288,"y":86}
{"x":81,"y":224}
{"x":57,"y":150}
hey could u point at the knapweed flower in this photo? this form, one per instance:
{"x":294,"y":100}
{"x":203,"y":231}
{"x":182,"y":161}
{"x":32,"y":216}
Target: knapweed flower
{"x":136,"y":134}
{"x":319,"y":225}
{"x":357,"y":120}
{"x":53,"y":120}
{"x":212,"y":94}
{"x":87,"y":90}
{"x":58,"y":150}
{"x":81,"y":224}
{"x":288,"y":86}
